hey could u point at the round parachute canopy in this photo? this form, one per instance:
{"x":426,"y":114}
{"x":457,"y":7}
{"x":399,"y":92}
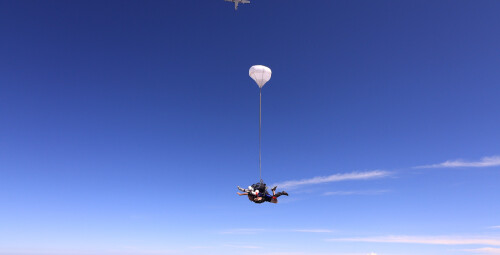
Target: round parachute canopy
{"x":260,"y":74}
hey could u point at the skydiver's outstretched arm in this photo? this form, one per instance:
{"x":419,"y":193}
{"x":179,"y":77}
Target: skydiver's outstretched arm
{"x":242,"y":194}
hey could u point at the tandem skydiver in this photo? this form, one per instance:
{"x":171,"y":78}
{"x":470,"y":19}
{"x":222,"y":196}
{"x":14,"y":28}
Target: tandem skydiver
{"x":257,"y":193}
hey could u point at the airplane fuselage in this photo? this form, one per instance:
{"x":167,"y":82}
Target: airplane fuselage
{"x":236,"y":2}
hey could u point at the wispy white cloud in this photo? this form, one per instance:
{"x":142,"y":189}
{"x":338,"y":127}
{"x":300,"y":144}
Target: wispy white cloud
{"x":356,"y":192}
{"x":443,"y":240}
{"x":334,"y":178}
{"x":484,"y":162}
{"x":495,"y":227}
{"x":485,"y":250}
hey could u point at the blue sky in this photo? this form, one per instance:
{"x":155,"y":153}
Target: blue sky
{"x":125,"y":127}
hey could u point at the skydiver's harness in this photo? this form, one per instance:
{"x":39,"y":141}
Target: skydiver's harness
{"x":262,"y":188}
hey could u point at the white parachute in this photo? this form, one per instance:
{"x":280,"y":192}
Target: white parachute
{"x":260,"y":74}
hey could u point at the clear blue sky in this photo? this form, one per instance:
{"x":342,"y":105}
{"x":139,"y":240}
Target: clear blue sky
{"x":125,"y":127}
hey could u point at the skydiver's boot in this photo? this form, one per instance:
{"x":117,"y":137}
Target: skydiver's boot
{"x":274,"y":188}
{"x":241,"y":189}
{"x":284,"y":193}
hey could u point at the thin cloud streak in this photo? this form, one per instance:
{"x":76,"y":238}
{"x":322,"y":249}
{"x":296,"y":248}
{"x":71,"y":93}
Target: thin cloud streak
{"x":357,"y":192}
{"x":495,"y":227}
{"x":334,"y":178}
{"x":484,"y":162}
{"x":485,"y":250}
{"x":442,"y":240}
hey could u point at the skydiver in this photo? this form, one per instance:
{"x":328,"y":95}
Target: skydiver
{"x":259,"y":198}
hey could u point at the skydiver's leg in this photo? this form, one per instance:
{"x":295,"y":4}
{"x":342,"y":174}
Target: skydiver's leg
{"x":274,"y":190}
{"x":244,"y":190}
{"x":279,"y":193}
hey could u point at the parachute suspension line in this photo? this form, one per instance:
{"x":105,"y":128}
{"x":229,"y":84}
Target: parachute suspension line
{"x":260,"y":134}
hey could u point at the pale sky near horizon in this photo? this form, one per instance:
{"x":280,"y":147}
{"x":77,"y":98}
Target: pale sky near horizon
{"x":125,"y":127}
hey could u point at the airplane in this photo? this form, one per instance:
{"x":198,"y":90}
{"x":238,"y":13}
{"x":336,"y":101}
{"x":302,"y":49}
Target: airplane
{"x":236,"y":2}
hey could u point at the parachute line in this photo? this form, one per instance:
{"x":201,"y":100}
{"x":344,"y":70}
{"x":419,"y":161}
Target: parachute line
{"x":260,"y":134}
